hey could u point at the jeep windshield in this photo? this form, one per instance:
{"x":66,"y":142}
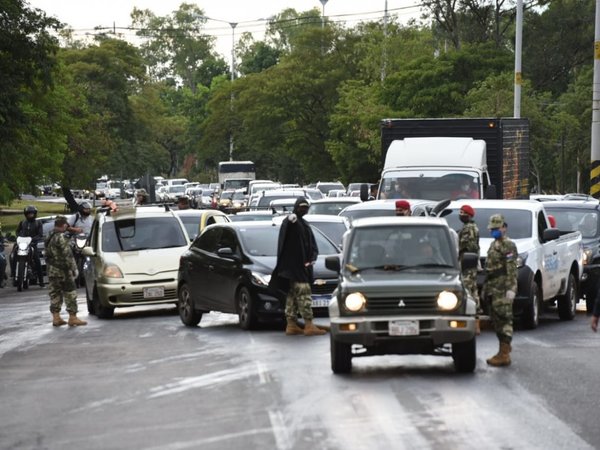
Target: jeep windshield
{"x":128,"y":235}
{"x":396,"y":248}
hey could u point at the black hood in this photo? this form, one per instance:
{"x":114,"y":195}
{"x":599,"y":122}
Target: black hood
{"x":300,"y":201}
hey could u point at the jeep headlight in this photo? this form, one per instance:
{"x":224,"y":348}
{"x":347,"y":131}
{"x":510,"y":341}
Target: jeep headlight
{"x":522,"y":259}
{"x":261,"y":279}
{"x":588,"y":253}
{"x":355,"y":302}
{"x":447,"y":300}
{"x":112,"y":271}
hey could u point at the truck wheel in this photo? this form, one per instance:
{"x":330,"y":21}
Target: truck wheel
{"x":567,"y":303}
{"x":188,"y":315}
{"x":464,"y":355}
{"x":531,"y":317}
{"x":341,"y":356}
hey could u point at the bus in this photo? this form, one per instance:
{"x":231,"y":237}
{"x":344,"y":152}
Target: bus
{"x":236,"y":174}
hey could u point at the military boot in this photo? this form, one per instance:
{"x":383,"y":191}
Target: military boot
{"x":57,"y":321}
{"x":293,"y":328}
{"x":502,"y":358}
{"x":310,"y":329}
{"x":74,"y":321}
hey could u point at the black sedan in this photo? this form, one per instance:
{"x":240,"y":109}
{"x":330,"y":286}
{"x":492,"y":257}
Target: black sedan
{"x":228,"y":267}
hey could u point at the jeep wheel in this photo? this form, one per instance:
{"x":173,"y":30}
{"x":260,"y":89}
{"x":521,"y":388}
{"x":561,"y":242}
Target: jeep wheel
{"x":341,"y":356}
{"x":567,"y":304}
{"x":245,"y":305}
{"x":531,"y":315}
{"x":103,"y":312}
{"x":188,"y":315}
{"x":464,"y":355}
{"x":90,"y":303}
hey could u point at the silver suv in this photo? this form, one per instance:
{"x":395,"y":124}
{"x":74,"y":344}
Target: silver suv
{"x":133,"y":258}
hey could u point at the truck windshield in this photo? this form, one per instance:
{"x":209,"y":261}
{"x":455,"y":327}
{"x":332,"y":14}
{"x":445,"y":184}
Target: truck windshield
{"x":399,"y":247}
{"x":430,"y":184}
{"x":518,"y":221}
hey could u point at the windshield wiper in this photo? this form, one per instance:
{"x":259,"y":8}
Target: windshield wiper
{"x":392,"y":267}
{"x":433,"y":265}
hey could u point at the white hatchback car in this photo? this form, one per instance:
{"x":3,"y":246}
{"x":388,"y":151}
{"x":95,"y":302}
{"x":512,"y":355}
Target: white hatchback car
{"x":133,"y":258}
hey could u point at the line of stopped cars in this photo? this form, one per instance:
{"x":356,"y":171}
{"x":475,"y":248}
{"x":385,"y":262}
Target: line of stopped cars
{"x":389,"y":284}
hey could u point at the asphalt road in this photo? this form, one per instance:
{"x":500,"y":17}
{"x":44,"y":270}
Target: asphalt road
{"x":143,"y":380}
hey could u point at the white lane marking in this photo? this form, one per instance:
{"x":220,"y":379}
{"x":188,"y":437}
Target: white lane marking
{"x":280,"y":431}
{"x":263,"y":374}
{"x":198,"y":443}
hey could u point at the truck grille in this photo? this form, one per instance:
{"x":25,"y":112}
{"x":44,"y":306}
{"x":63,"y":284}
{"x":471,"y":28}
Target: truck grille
{"x":326,"y":288}
{"x":399,"y":305}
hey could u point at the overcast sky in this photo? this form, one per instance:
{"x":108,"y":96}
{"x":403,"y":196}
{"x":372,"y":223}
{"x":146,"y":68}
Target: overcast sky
{"x":84,"y":15}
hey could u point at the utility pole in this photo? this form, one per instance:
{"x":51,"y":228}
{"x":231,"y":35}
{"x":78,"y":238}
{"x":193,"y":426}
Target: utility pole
{"x":233,"y":25}
{"x":323,"y":2}
{"x":518,"y":47}
{"x":384,"y":45}
{"x":595,"y":172}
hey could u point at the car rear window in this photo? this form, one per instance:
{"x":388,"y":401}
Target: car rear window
{"x":127,"y":235}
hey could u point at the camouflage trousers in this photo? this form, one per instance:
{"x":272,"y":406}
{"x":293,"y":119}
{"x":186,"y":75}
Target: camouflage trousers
{"x":62,"y":287}
{"x":502,"y":317}
{"x":470,"y":282}
{"x":299,"y":300}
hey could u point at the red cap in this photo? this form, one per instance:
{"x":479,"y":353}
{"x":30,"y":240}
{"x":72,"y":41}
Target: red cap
{"x":402,"y":204}
{"x":468,"y":210}
{"x":552,"y":221}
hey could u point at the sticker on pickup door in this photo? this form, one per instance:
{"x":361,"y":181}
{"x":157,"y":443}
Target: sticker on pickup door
{"x":321,"y":301}
{"x":154,"y":292}
{"x":403,"y":327}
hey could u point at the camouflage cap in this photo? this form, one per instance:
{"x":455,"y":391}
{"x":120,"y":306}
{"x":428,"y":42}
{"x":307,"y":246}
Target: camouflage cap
{"x":496,"y":221}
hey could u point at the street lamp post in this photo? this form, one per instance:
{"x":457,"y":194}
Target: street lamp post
{"x":233,"y":25}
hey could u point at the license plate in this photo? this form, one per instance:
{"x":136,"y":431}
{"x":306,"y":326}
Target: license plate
{"x":404,"y":327}
{"x":321,"y":301}
{"x":154,"y":292}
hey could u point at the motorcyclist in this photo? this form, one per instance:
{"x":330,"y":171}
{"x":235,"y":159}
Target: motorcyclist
{"x":30,"y":227}
{"x":82,"y":221}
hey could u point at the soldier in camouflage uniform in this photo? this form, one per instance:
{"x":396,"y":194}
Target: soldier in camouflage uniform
{"x":468,"y":241}
{"x":501,"y":286}
{"x":62,"y":272}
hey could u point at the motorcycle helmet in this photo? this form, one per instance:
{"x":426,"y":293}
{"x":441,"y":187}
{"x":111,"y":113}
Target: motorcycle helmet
{"x":30,"y":210}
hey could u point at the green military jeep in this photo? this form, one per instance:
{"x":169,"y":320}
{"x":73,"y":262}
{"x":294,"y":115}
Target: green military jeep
{"x":400,"y":291}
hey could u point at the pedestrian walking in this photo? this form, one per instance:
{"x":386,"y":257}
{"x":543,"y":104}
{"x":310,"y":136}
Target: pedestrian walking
{"x":468,"y":241}
{"x":296,"y":254}
{"x":62,"y":272}
{"x":501,"y":286}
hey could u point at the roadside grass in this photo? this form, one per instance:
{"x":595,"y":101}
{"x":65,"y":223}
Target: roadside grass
{"x":11,"y":215}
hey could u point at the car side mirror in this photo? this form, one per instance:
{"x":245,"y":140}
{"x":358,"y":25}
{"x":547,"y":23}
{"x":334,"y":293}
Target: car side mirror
{"x":550,"y":234}
{"x":333,"y":263}
{"x":88,"y":251}
{"x":469,"y":261}
{"x":226,"y":252}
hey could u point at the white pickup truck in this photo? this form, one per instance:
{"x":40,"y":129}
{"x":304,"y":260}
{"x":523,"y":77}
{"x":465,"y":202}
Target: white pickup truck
{"x":550,"y":263}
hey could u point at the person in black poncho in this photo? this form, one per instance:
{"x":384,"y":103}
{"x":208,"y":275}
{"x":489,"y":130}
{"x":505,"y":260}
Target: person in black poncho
{"x":296,"y":253}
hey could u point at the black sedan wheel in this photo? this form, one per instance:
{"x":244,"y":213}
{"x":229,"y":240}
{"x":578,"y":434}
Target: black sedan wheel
{"x":188,"y":315}
{"x":245,"y":306}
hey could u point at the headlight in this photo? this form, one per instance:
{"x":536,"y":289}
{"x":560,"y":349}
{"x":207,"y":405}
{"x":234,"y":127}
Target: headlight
{"x":355,"y":302}
{"x":261,"y":278}
{"x":447,"y":300}
{"x":112,"y":271}
{"x":588,"y":253}
{"x":521,"y":259}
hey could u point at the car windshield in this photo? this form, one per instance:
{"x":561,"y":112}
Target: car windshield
{"x":333,"y":230}
{"x":518,"y":221}
{"x":394,"y":247}
{"x":127,"y":235}
{"x":191,"y":224}
{"x":266,"y":200}
{"x":177,"y":188}
{"x":331,"y":208}
{"x":262,"y":241}
{"x":576,"y":219}
{"x":430,"y":184}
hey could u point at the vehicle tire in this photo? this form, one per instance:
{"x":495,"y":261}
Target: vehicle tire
{"x":341,"y":356}
{"x":188,"y":315}
{"x":20,"y":279}
{"x":245,"y":306}
{"x":90,"y":303}
{"x":567,"y":304}
{"x":464,"y":355}
{"x":103,"y":312}
{"x":531,"y":315}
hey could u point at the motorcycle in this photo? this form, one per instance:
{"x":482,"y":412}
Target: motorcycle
{"x":24,"y":273}
{"x":78,"y":241}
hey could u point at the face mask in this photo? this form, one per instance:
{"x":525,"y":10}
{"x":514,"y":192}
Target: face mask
{"x":463,"y":218}
{"x":496,"y":234}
